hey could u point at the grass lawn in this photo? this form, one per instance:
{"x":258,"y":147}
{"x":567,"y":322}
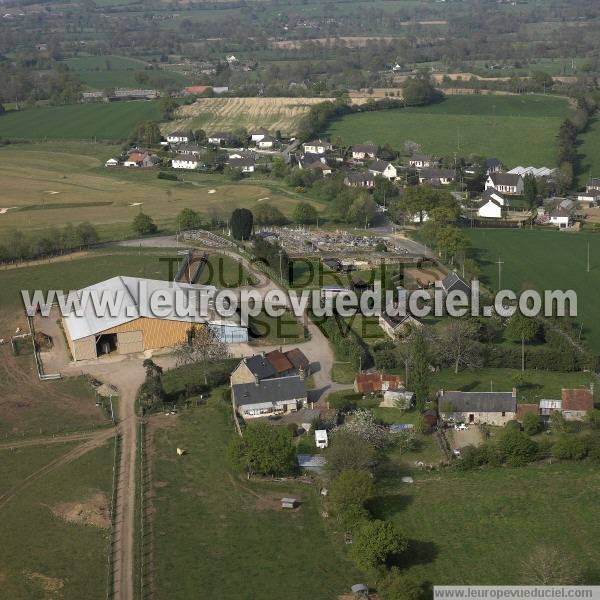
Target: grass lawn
{"x":343,"y":372}
{"x":48,"y":557}
{"x":49,"y":184}
{"x":478,"y":527}
{"x":544,"y":260}
{"x":541,"y":384}
{"x":485,"y":125}
{"x":114,"y":121}
{"x":224,"y":535}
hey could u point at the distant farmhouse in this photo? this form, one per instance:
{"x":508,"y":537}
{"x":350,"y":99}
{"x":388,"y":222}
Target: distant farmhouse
{"x":507,"y":183}
{"x":493,"y":408}
{"x":384,"y":169}
{"x":364,"y":151}
{"x":273,"y":364}
{"x":395,"y":326}
{"x":435,"y":176}
{"x":318,"y":146}
{"x":136,"y":328}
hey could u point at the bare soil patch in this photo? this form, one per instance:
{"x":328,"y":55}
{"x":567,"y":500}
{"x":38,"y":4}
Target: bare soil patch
{"x":51,"y":586}
{"x":93,"y":511}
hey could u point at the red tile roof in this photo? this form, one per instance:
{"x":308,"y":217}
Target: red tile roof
{"x":577,"y":399}
{"x":527,"y":409}
{"x":195,"y":89}
{"x":375,"y":382}
{"x":298,"y":359}
{"x":279,"y":361}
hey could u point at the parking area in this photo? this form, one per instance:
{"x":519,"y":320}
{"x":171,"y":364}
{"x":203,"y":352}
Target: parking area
{"x":471,"y":436}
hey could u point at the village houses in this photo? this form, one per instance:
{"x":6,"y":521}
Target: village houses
{"x":507,"y":183}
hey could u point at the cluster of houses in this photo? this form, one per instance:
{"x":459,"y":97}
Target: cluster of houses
{"x":136,"y":158}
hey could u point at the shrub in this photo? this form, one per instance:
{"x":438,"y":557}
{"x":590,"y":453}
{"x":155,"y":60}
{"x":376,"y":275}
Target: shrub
{"x":512,"y":425}
{"x":396,"y":586}
{"x":569,"y":447}
{"x":518,"y":448}
{"x":352,"y":488}
{"x":531,"y":424}
{"x":169,"y":176}
{"x":376,"y":543}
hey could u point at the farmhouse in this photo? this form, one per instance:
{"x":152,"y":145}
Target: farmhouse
{"x":178,"y":137}
{"x":493,"y":408}
{"x":366,"y":383}
{"x":453,"y":282}
{"x":136,"y":324}
{"x":362,"y":151}
{"x":593,"y":186}
{"x":366,"y":180}
{"x":242,"y":154}
{"x":269,"y":396}
{"x":560,"y":217}
{"x":508,"y":183}
{"x":397,"y":325}
{"x":435,"y":176}
{"x":489,"y":209}
{"x":267,"y":366}
{"x":576,"y":403}
{"x":318,"y":146}
{"x":267,"y":142}
{"x":493,"y":165}
{"x":220,"y":138}
{"x":184,"y":161}
{"x":384,"y":169}
{"x":258,"y":134}
{"x":589,"y":198}
{"x":141,"y":159}
{"x":188,"y":149}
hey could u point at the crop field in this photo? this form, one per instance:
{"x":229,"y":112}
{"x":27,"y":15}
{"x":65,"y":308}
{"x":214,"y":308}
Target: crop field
{"x":515,"y":129}
{"x":241,"y":525}
{"x":47,"y":185}
{"x":101,"y":72}
{"x":56,"y":528}
{"x":544,"y":260}
{"x":461,"y":524}
{"x":113,"y":121}
{"x":222,"y":114}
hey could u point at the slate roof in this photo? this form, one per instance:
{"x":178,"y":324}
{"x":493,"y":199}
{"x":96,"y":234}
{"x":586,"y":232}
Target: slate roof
{"x":267,"y":391}
{"x":379,"y":165}
{"x":396,"y":321}
{"x":453,"y":281}
{"x":509,"y":179}
{"x":366,"y":148}
{"x":259,"y":366}
{"x":577,"y":399}
{"x":478,"y":401}
{"x":359,"y":177}
{"x":241,"y":162}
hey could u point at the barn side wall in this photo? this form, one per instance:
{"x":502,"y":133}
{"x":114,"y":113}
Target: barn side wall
{"x":157,"y":333}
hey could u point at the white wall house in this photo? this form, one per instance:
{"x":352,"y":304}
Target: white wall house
{"x":258,"y":135}
{"x":489,"y":209}
{"x":178,"y":137}
{"x":383,"y":168}
{"x":184,"y":161}
{"x":317,"y":147}
{"x":560,"y":218}
{"x":266,"y":143}
{"x":506,"y":183}
{"x":362,"y":151}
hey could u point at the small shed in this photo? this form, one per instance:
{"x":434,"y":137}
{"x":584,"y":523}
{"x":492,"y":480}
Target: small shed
{"x":360,"y":590}
{"x":400,"y":427}
{"x":288,"y":502}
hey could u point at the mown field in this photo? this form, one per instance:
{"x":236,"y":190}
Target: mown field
{"x":113,"y":121}
{"x":226,"y":114}
{"x":544,"y":260}
{"x":244,"y":545}
{"x":49,"y":184}
{"x":50,"y":551}
{"x":479,"y":527}
{"x":109,"y":71}
{"x":515,"y":129}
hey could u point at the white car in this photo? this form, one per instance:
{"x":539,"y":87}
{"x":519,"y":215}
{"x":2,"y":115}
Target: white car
{"x":461,"y":427}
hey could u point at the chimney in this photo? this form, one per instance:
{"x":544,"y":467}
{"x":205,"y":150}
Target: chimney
{"x":514,"y":392}
{"x":256,"y":380}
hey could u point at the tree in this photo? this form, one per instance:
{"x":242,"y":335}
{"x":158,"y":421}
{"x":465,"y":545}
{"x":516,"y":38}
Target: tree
{"x":456,"y":344}
{"x":267,"y":214}
{"x":86,"y":234}
{"x":365,"y":427}
{"x":569,"y":447}
{"x":188,"y":219}
{"x":351,"y":487}
{"x":203,"y":345}
{"x":305,"y":213}
{"x":558,"y":423}
{"x":143,"y":224}
{"x":151,"y":393}
{"x":418,"y":367}
{"x":451,"y":241}
{"x":518,"y":447}
{"x":548,"y":565}
{"x":167,"y":107}
{"x":419,"y":91}
{"x":531,"y":424}
{"x":376,"y":543}
{"x":530,"y":190}
{"x":523,"y":329}
{"x":346,"y":451}
{"x":232,"y":173}
{"x":147,"y":133}
{"x":241,"y":224}
{"x":264,"y":450}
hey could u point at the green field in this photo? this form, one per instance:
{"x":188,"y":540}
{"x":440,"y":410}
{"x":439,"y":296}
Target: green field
{"x":589,"y":153}
{"x":478,"y":527}
{"x":45,"y":557}
{"x":50,"y":184}
{"x":102,"y":72}
{"x":113,"y":121}
{"x":519,"y":130}
{"x":544,"y":260}
{"x":217,"y":532}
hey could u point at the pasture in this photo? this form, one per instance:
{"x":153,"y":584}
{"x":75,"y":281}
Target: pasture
{"x":109,"y":71}
{"x":479,"y":527}
{"x":226,"y":114}
{"x":242,"y":527}
{"x":56,"y":527}
{"x":544,"y":260}
{"x":114,"y":121}
{"x":519,"y":130}
{"x":48,"y":185}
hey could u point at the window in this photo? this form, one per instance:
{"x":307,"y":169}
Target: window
{"x":503,"y":413}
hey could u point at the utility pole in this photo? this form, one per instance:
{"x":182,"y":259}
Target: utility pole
{"x":588,"y":257}
{"x":499,"y":263}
